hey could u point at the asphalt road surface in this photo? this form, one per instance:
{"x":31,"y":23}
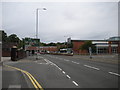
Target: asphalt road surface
{"x":55,"y":71}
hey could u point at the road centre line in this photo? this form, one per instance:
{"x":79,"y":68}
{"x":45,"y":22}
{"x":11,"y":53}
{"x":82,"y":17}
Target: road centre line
{"x":75,"y":83}
{"x":68,"y":76}
{"x":91,"y":67}
{"x":32,"y":79}
{"x":63,"y":72}
{"x":114,"y":73}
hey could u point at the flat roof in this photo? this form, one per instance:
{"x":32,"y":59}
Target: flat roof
{"x":88,"y":40}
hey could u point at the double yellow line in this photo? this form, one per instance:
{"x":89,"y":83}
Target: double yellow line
{"x":32,"y":79}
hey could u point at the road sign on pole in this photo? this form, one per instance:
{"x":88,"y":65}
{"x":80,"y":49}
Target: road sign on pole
{"x":90,"y":52}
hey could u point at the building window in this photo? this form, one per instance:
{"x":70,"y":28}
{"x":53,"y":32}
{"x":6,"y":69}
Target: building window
{"x":114,"y":49}
{"x":102,"y":50}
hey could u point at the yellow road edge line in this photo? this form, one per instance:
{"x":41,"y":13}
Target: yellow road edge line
{"x":36,"y":82}
{"x":30,"y":77}
{"x":32,"y":81}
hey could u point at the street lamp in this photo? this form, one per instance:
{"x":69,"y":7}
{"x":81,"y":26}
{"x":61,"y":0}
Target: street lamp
{"x":37,"y":12}
{"x":37,"y":27}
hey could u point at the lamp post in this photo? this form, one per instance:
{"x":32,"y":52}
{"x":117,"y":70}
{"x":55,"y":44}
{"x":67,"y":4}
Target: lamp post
{"x":37,"y":26}
{"x":37,"y":21}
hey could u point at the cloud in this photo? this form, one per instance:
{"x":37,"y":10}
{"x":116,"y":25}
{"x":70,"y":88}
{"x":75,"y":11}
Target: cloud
{"x":90,"y":20}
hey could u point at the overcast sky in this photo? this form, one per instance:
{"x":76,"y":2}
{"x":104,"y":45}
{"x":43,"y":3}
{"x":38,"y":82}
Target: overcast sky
{"x":78,"y":20}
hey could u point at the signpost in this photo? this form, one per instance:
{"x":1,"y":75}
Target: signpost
{"x":90,"y":52}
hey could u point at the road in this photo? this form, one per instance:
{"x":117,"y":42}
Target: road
{"x":55,"y":71}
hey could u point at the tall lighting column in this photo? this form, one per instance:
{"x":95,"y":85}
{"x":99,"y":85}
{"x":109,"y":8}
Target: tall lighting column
{"x":37,"y":22}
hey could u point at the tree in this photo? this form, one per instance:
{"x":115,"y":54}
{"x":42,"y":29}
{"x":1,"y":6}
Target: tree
{"x":52,"y":44}
{"x":3,"y":36}
{"x":42,"y":44}
{"x":13,"y":38}
{"x":86,"y":46}
{"x":20,"y":44}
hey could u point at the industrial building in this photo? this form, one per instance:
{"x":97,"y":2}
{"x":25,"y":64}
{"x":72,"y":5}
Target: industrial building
{"x":108,"y":46}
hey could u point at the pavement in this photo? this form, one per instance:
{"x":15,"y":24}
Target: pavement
{"x":13,"y":79}
{"x":0,"y":75}
{"x":57,"y":71}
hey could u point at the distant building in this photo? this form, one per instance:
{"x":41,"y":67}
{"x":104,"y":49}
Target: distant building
{"x":109,"y":46}
{"x":31,"y":42}
{"x":48,"y":48}
{"x":42,"y":49}
{"x":76,"y":46}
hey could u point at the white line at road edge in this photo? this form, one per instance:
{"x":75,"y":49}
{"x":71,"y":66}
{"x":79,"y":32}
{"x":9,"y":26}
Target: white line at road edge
{"x":91,"y":67}
{"x":75,"y":83}
{"x":114,"y":73}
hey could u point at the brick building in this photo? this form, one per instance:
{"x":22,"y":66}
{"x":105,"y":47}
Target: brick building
{"x":48,"y":48}
{"x":76,"y":46}
{"x":42,"y":48}
{"x":109,"y":46}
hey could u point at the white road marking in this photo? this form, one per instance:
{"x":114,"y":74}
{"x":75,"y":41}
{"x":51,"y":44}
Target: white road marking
{"x":43,"y":63}
{"x":75,"y":83}
{"x":63,"y":72}
{"x":40,"y":63}
{"x":53,"y":64}
{"x":91,"y":67}
{"x":47,"y":61}
{"x":60,"y":69}
{"x":68,"y":76}
{"x":75,"y":62}
{"x":114,"y":73}
{"x":67,"y":60}
{"x":14,"y":86}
